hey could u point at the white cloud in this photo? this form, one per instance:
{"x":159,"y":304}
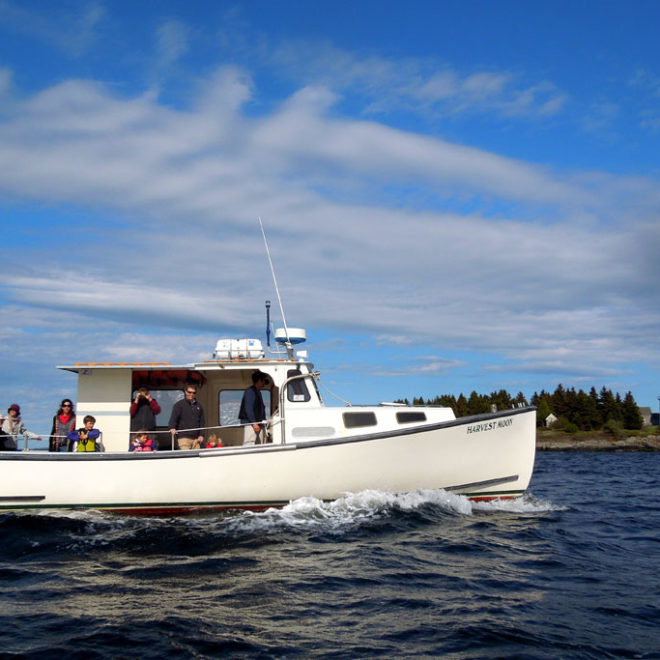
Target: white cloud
{"x":417,"y":85}
{"x":181,"y":190}
{"x":171,"y":42}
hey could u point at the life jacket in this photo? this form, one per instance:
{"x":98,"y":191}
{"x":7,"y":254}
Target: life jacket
{"x":86,"y":445}
{"x":147,"y":445}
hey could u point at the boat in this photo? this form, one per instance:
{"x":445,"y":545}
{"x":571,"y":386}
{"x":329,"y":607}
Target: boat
{"x":313,"y":449}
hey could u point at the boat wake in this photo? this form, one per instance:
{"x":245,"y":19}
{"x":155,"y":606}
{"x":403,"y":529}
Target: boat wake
{"x":367,"y":507}
{"x":368,"y":510}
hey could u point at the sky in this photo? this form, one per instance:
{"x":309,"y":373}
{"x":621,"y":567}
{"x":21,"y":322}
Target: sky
{"x":458,"y":196}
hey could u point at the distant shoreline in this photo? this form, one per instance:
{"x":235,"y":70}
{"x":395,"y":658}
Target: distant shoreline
{"x":548,"y":441}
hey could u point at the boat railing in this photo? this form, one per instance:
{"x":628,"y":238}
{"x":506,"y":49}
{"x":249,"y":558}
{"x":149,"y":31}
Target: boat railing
{"x":166,"y":433}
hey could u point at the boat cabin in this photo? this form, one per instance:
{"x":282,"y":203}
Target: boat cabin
{"x":106,"y":391}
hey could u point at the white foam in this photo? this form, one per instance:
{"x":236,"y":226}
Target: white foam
{"x":345,"y":513}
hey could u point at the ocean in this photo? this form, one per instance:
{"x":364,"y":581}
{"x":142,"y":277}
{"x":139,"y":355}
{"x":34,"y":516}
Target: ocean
{"x":572,"y":570}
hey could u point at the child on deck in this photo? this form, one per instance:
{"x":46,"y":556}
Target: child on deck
{"x":213,"y":442}
{"x":86,"y":438}
{"x":142,"y":442}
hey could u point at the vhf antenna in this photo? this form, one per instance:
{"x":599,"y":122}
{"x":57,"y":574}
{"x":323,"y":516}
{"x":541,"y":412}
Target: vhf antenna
{"x":277,"y":289}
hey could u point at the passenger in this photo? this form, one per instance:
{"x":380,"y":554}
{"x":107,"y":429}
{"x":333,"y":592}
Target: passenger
{"x":63,"y":423}
{"x":143,"y":411}
{"x":187,"y":421}
{"x":142,"y":442}
{"x":85,"y":438}
{"x":213,"y":442}
{"x":13,"y":426}
{"x":253,"y":410}
{"x":3,"y":435}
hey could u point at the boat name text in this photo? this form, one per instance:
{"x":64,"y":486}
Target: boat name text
{"x":489,"y":426}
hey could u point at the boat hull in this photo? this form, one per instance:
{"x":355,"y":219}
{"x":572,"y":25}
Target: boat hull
{"x":481,"y":457}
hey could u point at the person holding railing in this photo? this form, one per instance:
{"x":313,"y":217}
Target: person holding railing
{"x":187,"y":421}
{"x":85,"y":438}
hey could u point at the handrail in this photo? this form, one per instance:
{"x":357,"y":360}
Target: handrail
{"x":166,"y":432}
{"x":283,"y":388}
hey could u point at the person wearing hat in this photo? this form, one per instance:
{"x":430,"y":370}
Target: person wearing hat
{"x":253,"y":411}
{"x":13,"y":427}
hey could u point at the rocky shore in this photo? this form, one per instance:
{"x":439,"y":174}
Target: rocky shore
{"x":595,"y":442}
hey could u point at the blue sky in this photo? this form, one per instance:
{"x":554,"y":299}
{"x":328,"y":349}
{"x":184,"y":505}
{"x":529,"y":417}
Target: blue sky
{"x":458,"y":195}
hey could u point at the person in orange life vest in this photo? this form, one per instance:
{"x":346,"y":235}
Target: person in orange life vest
{"x":63,"y":423}
{"x":85,"y":438}
{"x":142,"y":442}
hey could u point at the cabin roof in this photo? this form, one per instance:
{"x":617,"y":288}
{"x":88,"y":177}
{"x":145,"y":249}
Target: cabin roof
{"x":206,"y":365}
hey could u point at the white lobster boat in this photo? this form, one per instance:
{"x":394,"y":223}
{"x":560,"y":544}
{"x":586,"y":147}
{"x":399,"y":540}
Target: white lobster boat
{"x":313,"y":450}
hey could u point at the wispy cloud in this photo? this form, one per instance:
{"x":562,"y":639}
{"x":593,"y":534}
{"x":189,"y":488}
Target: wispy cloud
{"x":421,"y":85}
{"x":71,"y":31}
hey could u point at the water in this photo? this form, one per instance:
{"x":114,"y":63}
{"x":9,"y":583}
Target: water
{"x":571,"y":571}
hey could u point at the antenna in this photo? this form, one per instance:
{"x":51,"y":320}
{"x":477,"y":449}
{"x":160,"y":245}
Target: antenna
{"x":277,"y":288}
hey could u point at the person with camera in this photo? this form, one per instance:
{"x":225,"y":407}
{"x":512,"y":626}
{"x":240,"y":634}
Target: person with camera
{"x":144,"y":409}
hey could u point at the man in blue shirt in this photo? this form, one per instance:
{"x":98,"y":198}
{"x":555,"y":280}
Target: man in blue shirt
{"x":253,"y":410}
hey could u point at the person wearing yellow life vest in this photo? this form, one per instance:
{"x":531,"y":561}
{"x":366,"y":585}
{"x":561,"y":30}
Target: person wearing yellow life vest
{"x":86,"y":438}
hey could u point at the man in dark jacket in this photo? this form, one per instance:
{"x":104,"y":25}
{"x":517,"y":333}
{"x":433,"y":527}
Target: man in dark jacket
{"x":187,"y":420}
{"x":253,"y":410}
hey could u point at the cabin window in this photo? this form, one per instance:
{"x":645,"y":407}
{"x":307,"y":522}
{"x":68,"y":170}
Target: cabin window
{"x":166,"y":400}
{"x":297,"y":390}
{"x":229,"y":403}
{"x":353,"y":420}
{"x":407,"y":417}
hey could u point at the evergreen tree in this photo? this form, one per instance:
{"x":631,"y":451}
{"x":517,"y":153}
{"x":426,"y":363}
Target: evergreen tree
{"x":501,"y":399}
{"x":598,"y":417}
{"x":477,"y":404}
{"x":632,"y":418}
{"x":542,"y":412}
{"x":607,"y":406}
{"x":618,"y":403}
{"x":520,"y":399}
{"x":559,"y":405}
{"x":461,"y":409}
{"x":587,"y":417}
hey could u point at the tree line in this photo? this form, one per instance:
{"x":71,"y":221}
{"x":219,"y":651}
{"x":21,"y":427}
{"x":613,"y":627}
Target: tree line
{"x":574,"y":410}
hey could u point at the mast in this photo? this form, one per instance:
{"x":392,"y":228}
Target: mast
{"x":288,"y":344}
